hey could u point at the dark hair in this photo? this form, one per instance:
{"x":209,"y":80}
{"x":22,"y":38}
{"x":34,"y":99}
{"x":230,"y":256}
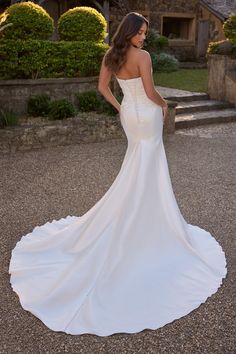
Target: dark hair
{"x":128,"y":28}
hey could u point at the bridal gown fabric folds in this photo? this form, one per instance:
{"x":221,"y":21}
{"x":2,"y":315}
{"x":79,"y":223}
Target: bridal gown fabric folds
{"x":131,"y":262}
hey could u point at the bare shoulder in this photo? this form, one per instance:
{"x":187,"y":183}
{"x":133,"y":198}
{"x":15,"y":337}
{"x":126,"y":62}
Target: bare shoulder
{"x":143,"y":55}
{"x":144,"y":52}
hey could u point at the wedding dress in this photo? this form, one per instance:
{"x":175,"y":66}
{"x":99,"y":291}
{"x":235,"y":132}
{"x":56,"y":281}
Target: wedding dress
{"x":131,"y":262}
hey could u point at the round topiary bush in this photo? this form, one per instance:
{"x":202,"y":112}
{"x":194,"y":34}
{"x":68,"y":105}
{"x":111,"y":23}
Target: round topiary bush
{"x":82,"y":23}
{"x":28,"y":19}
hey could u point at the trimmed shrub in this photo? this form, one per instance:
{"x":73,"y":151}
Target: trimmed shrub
{"x":164,"y":62}
{"x":3,"y":27}
{"x":105,"y":107}
{"x":43,"y":59}
{"x":213,"y":48}
{"x":154,"y":41}
{"x":229,"y":28}
{"x":82,"y":23}
{"x":93,"y":101}
{"x":61,"y":108}
{"x":28,"y":19}
{"x":220,"y":47}
{"x":87,"y":101}
{"x":39,"y":105}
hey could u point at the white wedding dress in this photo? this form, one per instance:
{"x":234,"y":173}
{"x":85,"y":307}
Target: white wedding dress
{"x":131,"y":262}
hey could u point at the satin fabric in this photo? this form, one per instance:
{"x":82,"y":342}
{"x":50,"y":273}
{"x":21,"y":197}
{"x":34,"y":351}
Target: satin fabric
{"x":132,"y":261}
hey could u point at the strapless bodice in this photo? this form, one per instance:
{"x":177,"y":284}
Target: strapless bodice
{"x":141,"y":118}
{"x":133,"y":90}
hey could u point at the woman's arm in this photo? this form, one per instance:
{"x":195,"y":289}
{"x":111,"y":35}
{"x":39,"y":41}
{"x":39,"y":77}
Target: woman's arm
{"x":103,"y":85}
{"x":145,"y":68}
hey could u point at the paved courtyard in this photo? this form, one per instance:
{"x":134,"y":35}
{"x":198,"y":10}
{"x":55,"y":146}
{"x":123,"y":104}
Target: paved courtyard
{"x":42,"y":185}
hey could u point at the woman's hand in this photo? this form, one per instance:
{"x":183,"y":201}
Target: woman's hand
{"x":165,"y":111}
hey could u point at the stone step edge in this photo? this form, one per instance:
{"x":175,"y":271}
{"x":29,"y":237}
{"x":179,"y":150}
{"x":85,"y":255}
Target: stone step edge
{"x":203,"y":107}
{"x":194,"y":121}
{"x":188,"y":98}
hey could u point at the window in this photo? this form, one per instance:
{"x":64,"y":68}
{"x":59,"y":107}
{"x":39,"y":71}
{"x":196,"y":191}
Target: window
{"x":178,"y":28}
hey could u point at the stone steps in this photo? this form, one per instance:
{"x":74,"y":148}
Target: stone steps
{"x":182,"y":96}
{"x":187,"y":120}
{"x":195,"y":108}
{"x":203,"y":105}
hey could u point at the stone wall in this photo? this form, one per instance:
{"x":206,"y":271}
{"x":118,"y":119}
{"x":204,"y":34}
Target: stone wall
{"x":86,"y":128}
{"x":222,"y":77}
{"x":14,"y":94}
{"x":230,"y":86}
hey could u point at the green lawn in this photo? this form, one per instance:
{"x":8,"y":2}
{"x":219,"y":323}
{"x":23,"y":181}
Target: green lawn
{"x":183,"y":79}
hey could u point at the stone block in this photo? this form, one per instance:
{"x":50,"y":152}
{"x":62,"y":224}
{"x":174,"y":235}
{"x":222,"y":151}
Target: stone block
{"x":220,"y":77}
{"x":230,"y":86}
{"x":169,"y":126}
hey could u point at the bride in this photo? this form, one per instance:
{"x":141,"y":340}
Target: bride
{"x":131,"y":262}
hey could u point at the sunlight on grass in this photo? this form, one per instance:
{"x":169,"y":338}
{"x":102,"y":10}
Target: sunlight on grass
{"x":183,"y":79}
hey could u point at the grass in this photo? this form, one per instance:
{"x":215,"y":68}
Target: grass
{"x":183,"y":79}
{"x":8,"y":118}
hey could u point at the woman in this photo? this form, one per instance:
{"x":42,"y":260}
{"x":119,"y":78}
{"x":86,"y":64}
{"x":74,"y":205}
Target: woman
{"x":125,"y":59}
{"x":132,"y":261}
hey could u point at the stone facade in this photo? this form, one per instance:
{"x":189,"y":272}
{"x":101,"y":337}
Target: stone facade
{"x":167,"y":17}
{"x":194,"y":23}
{"x":222,"y":77}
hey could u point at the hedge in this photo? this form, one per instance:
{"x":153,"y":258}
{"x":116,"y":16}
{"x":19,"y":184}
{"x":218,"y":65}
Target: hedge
{"x":33,"y":59}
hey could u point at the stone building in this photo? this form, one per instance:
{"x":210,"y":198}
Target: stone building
{"x":189,"y":25}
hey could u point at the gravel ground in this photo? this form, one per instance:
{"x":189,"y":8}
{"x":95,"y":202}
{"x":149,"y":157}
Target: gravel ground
{"x":42,"y":185}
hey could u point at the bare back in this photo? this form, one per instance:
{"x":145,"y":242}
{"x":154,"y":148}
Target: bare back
{"x":131,"y":68}
{"x":138,"y":64}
